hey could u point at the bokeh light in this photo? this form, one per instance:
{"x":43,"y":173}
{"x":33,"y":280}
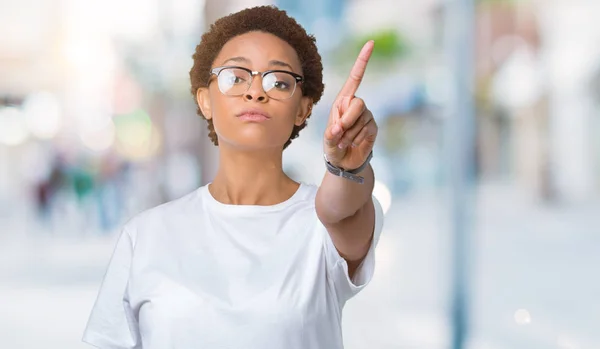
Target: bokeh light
{"x":99,"y":138}
{"x":137,"y":138}
{"x":522,"y":317}
{"x":13,"y":130}
{"x":43,"y":115}
{"x":383,"y":194}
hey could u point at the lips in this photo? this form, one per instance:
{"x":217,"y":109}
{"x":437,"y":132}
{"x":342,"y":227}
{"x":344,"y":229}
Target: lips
{"x":253,"y":115}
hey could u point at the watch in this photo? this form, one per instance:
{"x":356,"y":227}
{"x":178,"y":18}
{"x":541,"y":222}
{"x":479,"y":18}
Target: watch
{"x":348,"y":174}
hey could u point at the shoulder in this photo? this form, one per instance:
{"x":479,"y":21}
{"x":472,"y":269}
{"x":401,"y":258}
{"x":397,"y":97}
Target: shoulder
{"x":174,"y":210}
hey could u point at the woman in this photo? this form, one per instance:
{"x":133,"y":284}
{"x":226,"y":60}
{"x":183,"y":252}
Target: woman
{"x":254,"y":259}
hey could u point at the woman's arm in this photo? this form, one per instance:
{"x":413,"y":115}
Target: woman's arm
{"x":346,"y":210}
{"x":346,"y":207}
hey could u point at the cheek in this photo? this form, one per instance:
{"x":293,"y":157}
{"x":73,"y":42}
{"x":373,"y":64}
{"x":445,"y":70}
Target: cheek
{"x":287,"y":119}
{"x":219,"y":110}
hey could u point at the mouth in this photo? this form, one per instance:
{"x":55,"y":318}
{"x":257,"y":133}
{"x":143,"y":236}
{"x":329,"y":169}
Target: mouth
{"x":254,"y":115}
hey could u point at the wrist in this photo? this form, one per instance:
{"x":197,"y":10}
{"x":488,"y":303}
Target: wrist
{"x":351,"y":174}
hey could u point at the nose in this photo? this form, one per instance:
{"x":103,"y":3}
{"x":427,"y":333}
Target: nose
{"x":256,"y":91}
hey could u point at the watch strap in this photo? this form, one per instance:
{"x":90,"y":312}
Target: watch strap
{"x":348,"y":174}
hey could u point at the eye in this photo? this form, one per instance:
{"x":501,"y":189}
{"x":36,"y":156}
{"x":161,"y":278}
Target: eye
{"x":236,"y":79}
{"x":233,"y":81}
{"x":281,"y":85}
{"x":233,"y":76}
{"x":278,"y":81}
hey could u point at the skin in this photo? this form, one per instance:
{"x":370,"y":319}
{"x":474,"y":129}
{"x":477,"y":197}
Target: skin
{"x":250,"y":153}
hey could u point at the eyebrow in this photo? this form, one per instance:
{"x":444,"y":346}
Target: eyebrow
{"x":274,"y":62}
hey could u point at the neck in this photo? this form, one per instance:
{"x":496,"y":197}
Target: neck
{"x":253,"y":177}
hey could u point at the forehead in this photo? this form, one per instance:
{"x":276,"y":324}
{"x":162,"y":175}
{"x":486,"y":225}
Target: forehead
{"x":259,"y":48}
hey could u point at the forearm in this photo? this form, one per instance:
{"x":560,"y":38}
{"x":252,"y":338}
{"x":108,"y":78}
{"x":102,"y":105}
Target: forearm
{"x":339,"y":198}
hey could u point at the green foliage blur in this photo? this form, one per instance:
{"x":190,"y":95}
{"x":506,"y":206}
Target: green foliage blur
{"x":390,"y":45}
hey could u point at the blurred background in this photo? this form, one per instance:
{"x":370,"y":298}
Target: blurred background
{"x":97,"y":124}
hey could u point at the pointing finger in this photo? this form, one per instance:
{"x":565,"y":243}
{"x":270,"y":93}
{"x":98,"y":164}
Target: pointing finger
{"x":358,"y":70}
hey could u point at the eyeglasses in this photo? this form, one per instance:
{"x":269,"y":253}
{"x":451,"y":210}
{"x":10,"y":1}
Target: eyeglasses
{"x":277,"y":84}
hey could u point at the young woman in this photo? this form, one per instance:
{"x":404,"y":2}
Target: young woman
{"x":253,"y":259}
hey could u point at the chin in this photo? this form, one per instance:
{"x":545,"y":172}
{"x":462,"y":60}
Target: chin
{"x":255,"y":138}
{"x":254,"y":143}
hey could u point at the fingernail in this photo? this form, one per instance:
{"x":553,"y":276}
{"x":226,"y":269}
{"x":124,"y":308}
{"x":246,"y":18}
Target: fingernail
{"x":353,"y":145}
{"x":342,"y":145}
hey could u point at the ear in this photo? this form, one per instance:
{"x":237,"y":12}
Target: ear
{"x":304,"y":110}
{"x":203,"y":98}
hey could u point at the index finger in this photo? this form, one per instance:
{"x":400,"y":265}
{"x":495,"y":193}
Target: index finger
{"x":358,"y":70}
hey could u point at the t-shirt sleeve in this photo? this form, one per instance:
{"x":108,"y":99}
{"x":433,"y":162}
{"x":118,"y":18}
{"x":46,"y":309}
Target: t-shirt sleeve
{"x":111,"y":324}
{"x":345,"y":287}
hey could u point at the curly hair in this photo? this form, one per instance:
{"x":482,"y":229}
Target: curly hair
{"x":268,"y":19}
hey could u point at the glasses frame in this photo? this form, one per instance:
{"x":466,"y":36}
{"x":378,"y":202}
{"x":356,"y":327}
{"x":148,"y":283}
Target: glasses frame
{"x":297,"y":77}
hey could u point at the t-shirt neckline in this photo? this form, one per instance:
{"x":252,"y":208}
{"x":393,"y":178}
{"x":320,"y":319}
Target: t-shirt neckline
{"x":214,"y":204}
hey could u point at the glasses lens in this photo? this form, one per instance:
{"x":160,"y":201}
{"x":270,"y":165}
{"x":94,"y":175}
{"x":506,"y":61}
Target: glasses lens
{"x":234,"y":81}
{"x":278,"y":85}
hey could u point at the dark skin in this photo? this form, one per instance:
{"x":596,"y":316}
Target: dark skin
{"x":250,"y":153}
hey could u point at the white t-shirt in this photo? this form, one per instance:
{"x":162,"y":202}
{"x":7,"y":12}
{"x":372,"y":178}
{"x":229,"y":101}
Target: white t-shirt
{"x":197,"y":273}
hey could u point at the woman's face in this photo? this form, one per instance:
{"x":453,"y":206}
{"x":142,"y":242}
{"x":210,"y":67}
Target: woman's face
{"x":235,"y":118}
